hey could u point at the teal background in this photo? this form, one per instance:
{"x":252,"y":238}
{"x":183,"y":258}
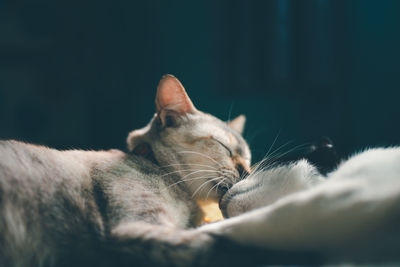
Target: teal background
{"x":83,"y":74}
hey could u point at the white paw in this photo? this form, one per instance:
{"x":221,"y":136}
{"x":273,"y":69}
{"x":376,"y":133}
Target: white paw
{"x":263,"y":188}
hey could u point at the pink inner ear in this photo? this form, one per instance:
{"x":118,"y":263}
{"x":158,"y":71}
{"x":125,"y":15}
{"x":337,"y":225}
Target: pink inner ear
{"x":142,"y":149}
{"x":171,"y":95}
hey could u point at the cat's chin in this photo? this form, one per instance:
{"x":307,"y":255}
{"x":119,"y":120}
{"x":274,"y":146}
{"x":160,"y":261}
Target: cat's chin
{"x":225,"y":199}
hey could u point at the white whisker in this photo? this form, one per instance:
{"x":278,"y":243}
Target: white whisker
{"x":191,"y":179}
{"x":188,"y":164}
{"x":201,"y":154}
{"x":206,"y":182}
{"x":216,"y":187}
{"x":273,"y":157}
{"x":165,"y":174}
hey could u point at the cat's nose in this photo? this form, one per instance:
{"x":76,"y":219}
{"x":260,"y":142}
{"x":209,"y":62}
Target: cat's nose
{"x":241,"y":166}
{"x":242,"y":170}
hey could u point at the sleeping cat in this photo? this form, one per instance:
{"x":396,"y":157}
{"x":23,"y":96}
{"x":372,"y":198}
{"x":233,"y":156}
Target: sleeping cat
{"x":108,"y":208}
{"x":70,"y":208}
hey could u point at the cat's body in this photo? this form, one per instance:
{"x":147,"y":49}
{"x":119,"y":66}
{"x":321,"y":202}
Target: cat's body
{"x":58,"y":201}
{"x":64,"y":208}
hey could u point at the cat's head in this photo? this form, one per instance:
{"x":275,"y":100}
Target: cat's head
{"x":210,"y":155}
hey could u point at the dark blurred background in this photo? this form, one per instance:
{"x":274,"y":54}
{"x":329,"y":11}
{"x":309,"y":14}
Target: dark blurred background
{"x":83,"y":74}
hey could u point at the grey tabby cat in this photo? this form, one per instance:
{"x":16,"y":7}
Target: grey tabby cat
{"x":82,"y":208}
{"x":108,"y":208}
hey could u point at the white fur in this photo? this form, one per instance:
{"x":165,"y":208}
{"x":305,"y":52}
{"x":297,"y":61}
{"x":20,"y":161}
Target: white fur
{"x":264,"y":188}
{"x":352,"y":216}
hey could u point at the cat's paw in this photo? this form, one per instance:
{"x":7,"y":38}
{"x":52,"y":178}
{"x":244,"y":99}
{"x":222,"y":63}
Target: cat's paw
{"x":263,"y":188}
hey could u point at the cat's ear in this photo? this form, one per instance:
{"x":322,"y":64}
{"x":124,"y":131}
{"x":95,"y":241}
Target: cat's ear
{"x":172,"y":101}
{"x":138,"y":143}
{"x":238,"y":123}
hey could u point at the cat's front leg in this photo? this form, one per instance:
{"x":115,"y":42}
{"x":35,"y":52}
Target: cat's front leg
{"x":142,"y":244}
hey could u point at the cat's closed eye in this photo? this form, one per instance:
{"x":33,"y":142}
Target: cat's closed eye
{"x":212,"y":141}
{"x":224,"y":146}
